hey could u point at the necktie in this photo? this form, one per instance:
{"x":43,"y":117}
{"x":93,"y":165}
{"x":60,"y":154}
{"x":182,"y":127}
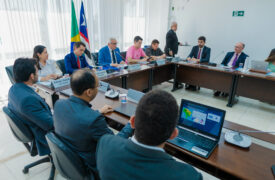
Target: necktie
{"x":199,"y":54}
{"x":78,"y":63}
{"x":113,"y":57}
{"x":235,"y":60}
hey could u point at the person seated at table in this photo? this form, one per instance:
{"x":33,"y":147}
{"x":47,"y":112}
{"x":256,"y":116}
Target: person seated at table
{"x":154,"y":51}
{"x":271,"y":61}
{"x":135,"y":52}
{"x":143,"y":156}
{"x":28,"y":105}
{"x":110,"y":55}
{"x":47,"y":69}
{"x":234,"y":59}
{"x":199,"y":54}
{"x":77,"y":123}
{"x":76,"y":59}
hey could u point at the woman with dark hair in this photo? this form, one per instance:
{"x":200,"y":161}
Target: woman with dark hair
{"x":47,"y":69}
{"x":271,"y":60}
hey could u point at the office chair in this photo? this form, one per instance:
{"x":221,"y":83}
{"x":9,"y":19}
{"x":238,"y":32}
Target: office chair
{"x":9,"y":70}
{"x":61,"y":65}
{"x":67,"y":162}
{"x":95,"y":57}
{"x":23,"y":134}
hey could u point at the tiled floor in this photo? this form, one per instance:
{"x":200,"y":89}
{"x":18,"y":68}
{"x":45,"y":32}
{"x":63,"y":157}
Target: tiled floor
{"x":252,"y":113}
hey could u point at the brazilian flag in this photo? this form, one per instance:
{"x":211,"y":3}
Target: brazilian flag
{"x":75,"y":37}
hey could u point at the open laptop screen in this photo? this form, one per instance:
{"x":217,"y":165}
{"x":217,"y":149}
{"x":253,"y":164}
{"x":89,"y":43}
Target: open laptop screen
{"x":201,"y":118}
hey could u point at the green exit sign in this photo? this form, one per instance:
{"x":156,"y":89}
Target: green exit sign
{"x":238,"y":13}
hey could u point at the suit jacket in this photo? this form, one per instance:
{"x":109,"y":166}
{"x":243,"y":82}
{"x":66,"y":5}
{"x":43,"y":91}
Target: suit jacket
{"x":80,"y":127}
{"x":34,"y":112}
{"x":71,"y":63}
{"x":104,"y":56}
{"x":119,"y":158}
{"x":228,"y":56}
{"x":172,"y":42}
{"x":205,"y":54}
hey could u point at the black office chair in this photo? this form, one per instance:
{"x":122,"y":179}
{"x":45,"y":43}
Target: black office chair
{"x":95,"y":57}
{"x":61,"y":65}
{"x":67,"y":162}
{"x":9,"y":70}
{"x":123,"y":55}
{"x":23,"y":134}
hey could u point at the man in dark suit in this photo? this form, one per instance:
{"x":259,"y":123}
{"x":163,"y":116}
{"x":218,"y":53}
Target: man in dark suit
{"x":199,"y":54}
{"x":76,"y":59}
{"x":28,"y":105}
{"x":234,"y":60}
{"x":77,"y":124}
{"x":172,"y":43}
{"x":143,"y":156}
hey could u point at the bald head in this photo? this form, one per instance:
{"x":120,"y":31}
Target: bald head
{"x":239,"y":47}
{"x":82,"y":80}
{"x":174,"y":26}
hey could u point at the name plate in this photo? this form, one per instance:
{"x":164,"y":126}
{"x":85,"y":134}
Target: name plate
{"x":134,"y":67}
{"x":101,"y":74}
{"x":176,"y":59}
{"x":160,"y":62}
{"x":61,"y":82}
{"x":103,"y":86}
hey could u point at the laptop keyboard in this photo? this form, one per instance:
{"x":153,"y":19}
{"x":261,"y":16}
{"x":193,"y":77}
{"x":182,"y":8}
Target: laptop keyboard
{"x":197,"y":139}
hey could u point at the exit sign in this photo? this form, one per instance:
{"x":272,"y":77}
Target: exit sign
{"x":238,"y":13}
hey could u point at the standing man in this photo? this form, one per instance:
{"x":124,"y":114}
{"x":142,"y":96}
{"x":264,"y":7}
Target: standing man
{"x":233,"y":59}
{"x":76,"y":59}
{"x":198,"y":54}
{"x":172,"y":43}
{"x":110,"y":54}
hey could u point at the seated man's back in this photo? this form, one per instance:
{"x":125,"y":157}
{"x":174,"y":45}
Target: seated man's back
{"x":120,"y":158}
{"x":28,"y":105}
{"x":77,"y":124}
{"x":143,"y":156}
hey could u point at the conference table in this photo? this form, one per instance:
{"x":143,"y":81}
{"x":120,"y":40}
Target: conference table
{"x":226,"y":161}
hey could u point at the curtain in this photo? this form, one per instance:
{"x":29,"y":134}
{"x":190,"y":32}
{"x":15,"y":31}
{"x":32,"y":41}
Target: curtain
{"x":27,"y":23}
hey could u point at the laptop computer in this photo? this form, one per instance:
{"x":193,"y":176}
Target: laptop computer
{"x":129,"y":108}
{"x":258,"y":66}
{"x":199,"y":128}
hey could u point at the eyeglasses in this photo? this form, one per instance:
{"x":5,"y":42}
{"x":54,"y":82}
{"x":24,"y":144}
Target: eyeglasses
{"x":114,"y":43}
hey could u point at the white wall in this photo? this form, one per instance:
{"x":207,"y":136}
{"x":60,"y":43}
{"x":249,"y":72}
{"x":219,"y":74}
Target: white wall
{"x":213,"y":19}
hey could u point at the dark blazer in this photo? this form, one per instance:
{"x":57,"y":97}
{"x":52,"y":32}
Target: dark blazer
{"x":172,"y":42}
{"x":80,"y":127}
{"x":71,"y":63}
{"x":119,"y":158}
{"x":34,"y":111}
{"x":205,"y":55}
{"x":104,"y":56}
{"x":228,"y":56}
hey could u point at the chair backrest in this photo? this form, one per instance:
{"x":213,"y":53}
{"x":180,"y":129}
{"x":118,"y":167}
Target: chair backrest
{"x":67,"y":162}
{"x":9,"y":70}
{"x":123,"y":54}
{"x":19,"y":129}
{"x":95,"y":57}
{"x":61,"y":65}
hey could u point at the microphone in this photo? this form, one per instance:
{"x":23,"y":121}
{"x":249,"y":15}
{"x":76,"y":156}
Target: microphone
{"x":241,"y":140}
